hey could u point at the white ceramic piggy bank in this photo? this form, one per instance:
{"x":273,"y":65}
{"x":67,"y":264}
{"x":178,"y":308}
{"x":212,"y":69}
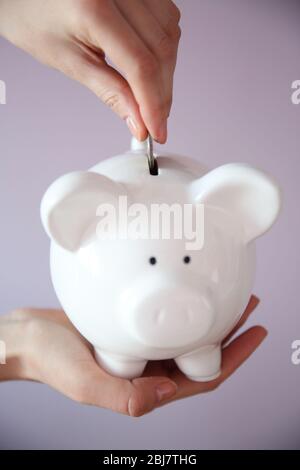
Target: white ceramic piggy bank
{"x":147,"y":298}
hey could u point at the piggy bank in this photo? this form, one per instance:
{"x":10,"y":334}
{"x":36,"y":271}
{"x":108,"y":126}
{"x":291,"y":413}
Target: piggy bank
{"x":144,"y":297}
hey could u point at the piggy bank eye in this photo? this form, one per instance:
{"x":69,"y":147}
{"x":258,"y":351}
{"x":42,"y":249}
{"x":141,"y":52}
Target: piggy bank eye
{"x":187,"y":259}
{"x":152,"y":260}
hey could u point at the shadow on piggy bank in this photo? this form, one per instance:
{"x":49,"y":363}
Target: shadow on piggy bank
{"x":133,"y":287}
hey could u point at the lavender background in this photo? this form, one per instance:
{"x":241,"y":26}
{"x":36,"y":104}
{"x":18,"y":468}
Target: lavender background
{"x":232,"y":102}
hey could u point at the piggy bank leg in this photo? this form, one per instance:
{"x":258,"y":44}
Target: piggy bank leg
{"x":120,"y":366}
{"x":202,"y":365}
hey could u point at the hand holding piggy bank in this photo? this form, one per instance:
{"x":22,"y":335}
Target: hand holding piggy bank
{"x":139,"y":298}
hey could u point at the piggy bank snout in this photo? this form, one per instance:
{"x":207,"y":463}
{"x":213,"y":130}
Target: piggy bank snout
{"x":170,"y":317}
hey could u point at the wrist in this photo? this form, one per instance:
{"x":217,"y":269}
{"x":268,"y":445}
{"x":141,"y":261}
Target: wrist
{"x":14,"y":337}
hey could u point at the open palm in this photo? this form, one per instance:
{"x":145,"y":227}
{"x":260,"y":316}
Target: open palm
{"x":60,"y":357}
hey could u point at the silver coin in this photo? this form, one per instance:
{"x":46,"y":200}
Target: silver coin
{"x":152,"y":162}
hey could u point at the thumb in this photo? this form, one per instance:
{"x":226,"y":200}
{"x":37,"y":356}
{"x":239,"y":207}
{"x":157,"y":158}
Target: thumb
{"x":133,"y":398}
{"x":112,"y":88}
{"x":149,"y":392}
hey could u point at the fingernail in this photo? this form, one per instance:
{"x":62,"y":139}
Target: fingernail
{"x":165,"y":390}
{"x":265,"y":332}
{"x":162,"y":132}
{"x":132,"y":126}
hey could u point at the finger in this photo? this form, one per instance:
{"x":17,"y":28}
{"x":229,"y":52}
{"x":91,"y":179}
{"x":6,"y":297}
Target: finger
{"x":148,"y":393}
{"x":166,"y":10}
{"x":168,"y":15}
{"x":133,"y":398}
{"x":233,"y":357}
{"x":110,"y":32}
{"x":92,"y":71}
{"x":240,"y":349}
{"x":252,"y":304}
{"x":162,"y":42}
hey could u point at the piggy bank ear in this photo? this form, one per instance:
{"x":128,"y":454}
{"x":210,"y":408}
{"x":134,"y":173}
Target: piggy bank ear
{"x":252,"y":196}
{"x":69,"y":205}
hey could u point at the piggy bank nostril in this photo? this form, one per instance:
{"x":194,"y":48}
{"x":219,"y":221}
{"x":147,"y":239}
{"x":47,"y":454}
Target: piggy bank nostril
{"x":178,"y":314}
